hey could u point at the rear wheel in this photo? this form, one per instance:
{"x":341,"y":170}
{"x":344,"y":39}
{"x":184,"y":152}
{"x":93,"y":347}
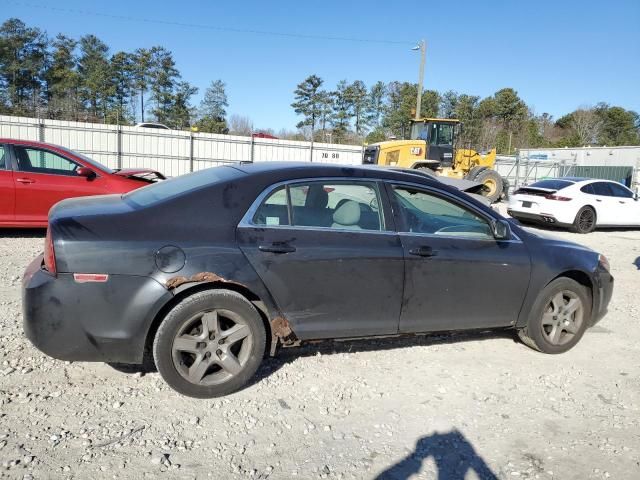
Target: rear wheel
{"x":559,"y":317}
{"x":210,"y":344}
{"x":493,"y":183}
{"x":585,"y":221}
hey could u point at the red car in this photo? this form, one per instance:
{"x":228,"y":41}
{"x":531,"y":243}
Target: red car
{"x":35,"y":175}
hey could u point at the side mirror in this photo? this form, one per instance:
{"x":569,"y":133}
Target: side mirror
{"x":501,"y":230}
{"x":86,"y":172}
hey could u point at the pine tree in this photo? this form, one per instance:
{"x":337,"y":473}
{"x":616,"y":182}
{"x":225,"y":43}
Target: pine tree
{"x":359,"y":102}
{"x":96,"y":88}
{"x":122,"y":77}
{"x":212,"y":110}
{"x":164,"y":79}
{"x":63,"y":80}
{"x":142,"y":75}
{"x":22,"y":65}
{"x":307,"y":104}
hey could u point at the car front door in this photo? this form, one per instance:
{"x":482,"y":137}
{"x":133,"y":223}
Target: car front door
{"x":457,"y":275}
{"x":7,"y":188}
{"x":627,"y":207}
{"x":43,"y":178}
{"x":606,"y":205}
{"x":325,"y":252}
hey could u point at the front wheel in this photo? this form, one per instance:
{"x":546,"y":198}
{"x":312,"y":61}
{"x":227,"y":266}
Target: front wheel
{"x":559,"y":317}
{"x":210,"y":344}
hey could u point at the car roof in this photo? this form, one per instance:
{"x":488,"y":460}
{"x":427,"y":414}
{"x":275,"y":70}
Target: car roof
{"x":16,"y":141}
{"x":572,"y":179}
{"x":313,"y":169}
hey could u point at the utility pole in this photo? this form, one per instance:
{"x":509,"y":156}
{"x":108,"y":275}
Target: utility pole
{"x":422,"y":46}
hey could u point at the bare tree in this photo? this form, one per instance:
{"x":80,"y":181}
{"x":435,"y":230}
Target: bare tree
{"x":586,"y":125}
{"x":240,"y":125}
{"x":488,"y":134}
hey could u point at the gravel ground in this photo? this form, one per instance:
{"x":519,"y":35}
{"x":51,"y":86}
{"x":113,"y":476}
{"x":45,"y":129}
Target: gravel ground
{"x":478,"y":404}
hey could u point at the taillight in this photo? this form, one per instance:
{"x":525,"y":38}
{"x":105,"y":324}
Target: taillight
{"x":557,"y":197}
{"x":49,"y":254}
{"x":604,"y":262}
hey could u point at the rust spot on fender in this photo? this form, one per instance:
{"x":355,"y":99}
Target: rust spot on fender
{"x":281,"y":329}
{"x":175,"y":282}
{"x":281,"y":333}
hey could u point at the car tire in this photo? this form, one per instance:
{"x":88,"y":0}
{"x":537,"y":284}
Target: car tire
{"x":473,"y":173}
{"x":489,"y":178}
{"x":559,"y":317}
{"x":585,"y":221}
{"x":210,"y":344}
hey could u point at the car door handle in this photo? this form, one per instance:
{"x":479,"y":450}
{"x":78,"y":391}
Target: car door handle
{"x":423,"y":251}
{"x":277,"y":248}
{"x":598,"y":200}
{"x":620,"y":201}
{"x":25,"y":180}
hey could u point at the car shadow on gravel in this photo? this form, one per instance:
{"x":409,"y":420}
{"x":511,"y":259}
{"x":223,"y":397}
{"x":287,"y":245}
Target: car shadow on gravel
{"x":453,"y":455}
{"x":332,"y":347}
{"x":23,"y":232}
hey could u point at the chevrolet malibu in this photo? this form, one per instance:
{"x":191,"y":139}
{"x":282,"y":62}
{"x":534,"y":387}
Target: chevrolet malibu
{"x":211,"y":271}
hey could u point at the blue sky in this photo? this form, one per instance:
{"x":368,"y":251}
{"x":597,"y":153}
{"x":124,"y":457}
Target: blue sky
{"x":557,"y":54}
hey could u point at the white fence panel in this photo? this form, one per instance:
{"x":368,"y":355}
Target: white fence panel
{"x":172,"y":152}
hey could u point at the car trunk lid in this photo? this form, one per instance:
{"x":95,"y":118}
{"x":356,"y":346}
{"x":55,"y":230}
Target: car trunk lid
{"x":144,"y":174}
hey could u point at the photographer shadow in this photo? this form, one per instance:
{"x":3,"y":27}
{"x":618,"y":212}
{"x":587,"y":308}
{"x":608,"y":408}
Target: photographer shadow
{"x":452,"y":453}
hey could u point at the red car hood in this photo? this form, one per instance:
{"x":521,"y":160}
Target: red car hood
{"x":140,"y":174}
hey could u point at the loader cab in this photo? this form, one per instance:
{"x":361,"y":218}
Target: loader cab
{"x":440,"y":135}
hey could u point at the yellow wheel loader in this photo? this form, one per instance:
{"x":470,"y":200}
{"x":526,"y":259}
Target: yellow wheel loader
{"x":431,"y":146}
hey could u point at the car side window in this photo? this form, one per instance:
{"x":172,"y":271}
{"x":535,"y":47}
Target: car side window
{"x":274,"y":209}
{"x":588,"y":188}
{"x":3,"y":162}
{"x":337,"y":205}
{"x":36,"y":160}
{"x":620,"y":191}
{"x":427,"y":213}
{"x":602,"y":188}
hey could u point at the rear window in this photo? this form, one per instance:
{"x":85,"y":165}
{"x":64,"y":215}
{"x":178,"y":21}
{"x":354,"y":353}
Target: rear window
{"x":551,"y":184}
{"x":161,"y":191}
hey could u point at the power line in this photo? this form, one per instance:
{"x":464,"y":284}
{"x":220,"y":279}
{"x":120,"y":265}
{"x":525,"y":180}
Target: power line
{"x":212,"y":27}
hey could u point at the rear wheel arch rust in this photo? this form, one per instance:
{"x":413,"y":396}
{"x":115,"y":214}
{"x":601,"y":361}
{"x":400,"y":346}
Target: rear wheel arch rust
{"x":272,"y":321}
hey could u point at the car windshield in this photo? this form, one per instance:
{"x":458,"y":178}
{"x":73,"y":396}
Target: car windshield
{"x":551,"y":184}
{"x":176,"y":186}
{"x":88,"y":160}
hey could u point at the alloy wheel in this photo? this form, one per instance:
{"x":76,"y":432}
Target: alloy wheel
{"x":562,"y":317}
{"x":586,"y":220}
{"x":211,"y":347}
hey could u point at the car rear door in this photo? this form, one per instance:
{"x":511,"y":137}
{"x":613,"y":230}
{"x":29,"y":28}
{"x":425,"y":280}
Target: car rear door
{"x":457,"y":275}
{"x":43,"y":178}
{"x":325,"y":252}
{"x":7,"y":188}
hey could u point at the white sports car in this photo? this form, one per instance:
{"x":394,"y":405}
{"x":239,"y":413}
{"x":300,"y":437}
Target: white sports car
{"x":581,"y":204}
